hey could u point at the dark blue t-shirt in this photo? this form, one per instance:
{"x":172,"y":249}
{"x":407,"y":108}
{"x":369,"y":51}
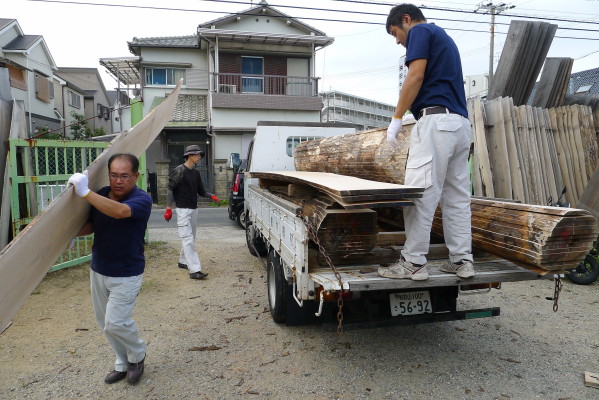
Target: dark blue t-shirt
{"x":443,"y":83}
{"x":118,"y":248}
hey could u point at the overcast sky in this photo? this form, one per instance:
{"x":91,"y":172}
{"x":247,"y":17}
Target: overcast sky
{"x":363,"y":60}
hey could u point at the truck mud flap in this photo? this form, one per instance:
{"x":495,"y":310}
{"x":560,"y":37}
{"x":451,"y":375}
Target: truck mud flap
{"x":417,"y":319}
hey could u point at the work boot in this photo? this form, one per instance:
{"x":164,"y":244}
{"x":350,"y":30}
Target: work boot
{"x":198,"y":275}
{"x":463,"y":269}
{"x":181,"y":265}
{"x":135,"y":371}
{"x":115,"y":376}
{"x":403,"y":269}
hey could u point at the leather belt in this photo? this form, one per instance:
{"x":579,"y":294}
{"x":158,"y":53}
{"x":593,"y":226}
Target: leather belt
{"x":434,"y":110}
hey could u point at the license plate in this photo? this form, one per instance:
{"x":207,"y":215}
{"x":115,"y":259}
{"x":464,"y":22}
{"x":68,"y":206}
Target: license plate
{"x":410,"y":303}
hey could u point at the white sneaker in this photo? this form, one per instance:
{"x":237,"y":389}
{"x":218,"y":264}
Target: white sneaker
{"x":463,"y":270}
{"x":403,"y":269}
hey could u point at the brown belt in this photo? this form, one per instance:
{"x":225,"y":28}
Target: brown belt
{"x":434,"y":110}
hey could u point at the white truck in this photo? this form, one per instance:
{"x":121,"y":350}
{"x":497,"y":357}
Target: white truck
{"x":301,"y":289}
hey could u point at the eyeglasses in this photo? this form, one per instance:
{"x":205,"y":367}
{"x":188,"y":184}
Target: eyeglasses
{"x":116,"y":177}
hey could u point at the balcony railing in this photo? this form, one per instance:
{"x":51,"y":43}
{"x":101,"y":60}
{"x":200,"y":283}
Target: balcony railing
{"x":265,"y":84}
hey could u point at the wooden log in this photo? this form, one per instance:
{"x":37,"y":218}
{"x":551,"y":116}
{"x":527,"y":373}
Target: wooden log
{"x":366,"y":154}
{"x":550,"y":238}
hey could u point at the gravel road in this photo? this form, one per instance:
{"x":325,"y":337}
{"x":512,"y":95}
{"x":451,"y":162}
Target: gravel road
{"x":214,"y":339}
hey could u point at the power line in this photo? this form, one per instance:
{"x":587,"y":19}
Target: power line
{"x":320,"y":19}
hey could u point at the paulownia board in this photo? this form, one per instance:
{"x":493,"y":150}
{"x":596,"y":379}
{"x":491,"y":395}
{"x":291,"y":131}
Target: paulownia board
{"x":28,"y":257}
{"x":339,"y":185}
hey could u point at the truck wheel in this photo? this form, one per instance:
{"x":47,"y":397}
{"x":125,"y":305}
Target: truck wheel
{"x":277,"y":287}
{"x":586,"y":272}
{"x":240,"y":218}
{"x":255,"y":244}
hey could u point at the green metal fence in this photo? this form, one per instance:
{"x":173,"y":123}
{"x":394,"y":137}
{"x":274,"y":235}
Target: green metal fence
{"x":38,"y":171}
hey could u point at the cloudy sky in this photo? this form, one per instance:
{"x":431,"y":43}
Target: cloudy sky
{"x":364,"y":60}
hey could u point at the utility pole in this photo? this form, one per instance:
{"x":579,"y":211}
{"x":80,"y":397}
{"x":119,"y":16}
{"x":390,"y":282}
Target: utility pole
{"x":494,"y":9}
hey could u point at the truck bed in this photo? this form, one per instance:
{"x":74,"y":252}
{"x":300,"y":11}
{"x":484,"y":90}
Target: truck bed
{"x":366,"y":278}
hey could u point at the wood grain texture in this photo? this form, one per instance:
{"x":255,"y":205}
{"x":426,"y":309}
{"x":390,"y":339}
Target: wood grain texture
{"x":28,"y":257}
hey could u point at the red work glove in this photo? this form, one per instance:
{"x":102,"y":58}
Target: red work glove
{"x":168,"y":214}
{"x":215,"y":199}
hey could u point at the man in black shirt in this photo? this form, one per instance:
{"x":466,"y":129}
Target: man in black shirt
{"x":184,"y":186}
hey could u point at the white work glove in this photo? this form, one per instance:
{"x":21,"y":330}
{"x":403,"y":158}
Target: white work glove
{"x":80,"y":182}
{"x":393,"y":130}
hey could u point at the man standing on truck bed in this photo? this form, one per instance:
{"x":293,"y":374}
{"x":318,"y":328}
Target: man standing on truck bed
{"x":184,"y":186}
{"x":439,"y":145}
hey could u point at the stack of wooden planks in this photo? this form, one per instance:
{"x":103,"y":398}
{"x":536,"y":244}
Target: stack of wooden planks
{"x":338,"y":207}
{"x":539,"y":238}
{"x":529,"y":153}
{"x":526,"y":46}
{"x":554,"y":82}
{"x":348,"y":191}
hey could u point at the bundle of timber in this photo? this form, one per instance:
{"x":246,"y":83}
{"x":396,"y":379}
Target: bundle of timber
{"x":554,"y":83}
{"x":526,"y":46}
{"x":539,"y":238}
{"x":529,"y":153}
{"x":364,"y":154}
{"x":338,"y":207}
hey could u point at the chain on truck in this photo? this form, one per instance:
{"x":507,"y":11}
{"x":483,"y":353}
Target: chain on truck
{"x":303,"y":288}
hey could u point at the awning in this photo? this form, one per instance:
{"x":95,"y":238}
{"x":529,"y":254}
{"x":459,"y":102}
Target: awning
{"x":124,"y":69}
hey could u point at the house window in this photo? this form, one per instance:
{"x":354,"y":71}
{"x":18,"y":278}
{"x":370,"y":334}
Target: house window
{"x":583,"y":89}
{"x":293,"y":141}
{"x":164,"y":76}
{"x":252,"y":66}
{"x":74,"y":99}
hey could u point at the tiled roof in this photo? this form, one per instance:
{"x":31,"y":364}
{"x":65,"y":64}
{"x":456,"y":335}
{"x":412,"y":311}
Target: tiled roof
{"x":190,"y":108}
{"x":4,"y":22}
{"x":585,"y":78}
{"x":22,"y":42}
{"x":170,"y":41}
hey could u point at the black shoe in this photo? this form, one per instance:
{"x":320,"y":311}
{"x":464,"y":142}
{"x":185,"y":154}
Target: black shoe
{"x":198,"y":275}
{"x":115,"y":376}
{"x":183,"y":266}
{"x":135,"y":371}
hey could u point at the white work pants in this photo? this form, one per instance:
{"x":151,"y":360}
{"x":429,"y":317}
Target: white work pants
{"x":187,"y":220}
{"x":438,"y":161}
{"x":113,"y":299}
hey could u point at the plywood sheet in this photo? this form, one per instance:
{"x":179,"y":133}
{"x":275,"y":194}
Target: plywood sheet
{"x":28,"y":257}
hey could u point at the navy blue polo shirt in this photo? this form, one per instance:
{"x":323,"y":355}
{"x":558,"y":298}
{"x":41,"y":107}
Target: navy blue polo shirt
{"x":118,"y":248}
{"x":443,"y":83}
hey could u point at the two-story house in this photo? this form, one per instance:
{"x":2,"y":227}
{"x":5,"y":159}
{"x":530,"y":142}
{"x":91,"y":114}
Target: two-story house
{"x":31,"y":68}
{"x":97,"y":109}
{"x":254,"y":65}
{"x":68,"y":99}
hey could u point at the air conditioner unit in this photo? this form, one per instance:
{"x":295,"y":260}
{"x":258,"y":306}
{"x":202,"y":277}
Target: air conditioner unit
{"x":227,"y":88}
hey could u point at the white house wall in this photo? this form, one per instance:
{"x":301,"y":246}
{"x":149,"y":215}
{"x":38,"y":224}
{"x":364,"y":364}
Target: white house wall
{"x":237,"y":118}
{"x":224,"y":145}
{"x":196,"y":57}
{"x":263,"y":23}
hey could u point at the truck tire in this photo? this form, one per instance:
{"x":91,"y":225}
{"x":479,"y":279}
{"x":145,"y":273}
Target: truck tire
{"x":586,"y":272}
{"x":255,"y":244}
{"x":277,"y":287}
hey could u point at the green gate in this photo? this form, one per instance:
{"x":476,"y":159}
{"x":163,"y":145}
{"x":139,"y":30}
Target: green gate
{"x":38,"y":171}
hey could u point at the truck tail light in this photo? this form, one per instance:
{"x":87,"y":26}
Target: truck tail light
{"x":235,"y":187}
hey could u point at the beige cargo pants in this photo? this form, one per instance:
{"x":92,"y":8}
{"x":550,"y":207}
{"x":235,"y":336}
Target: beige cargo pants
{"x":438,"y":161}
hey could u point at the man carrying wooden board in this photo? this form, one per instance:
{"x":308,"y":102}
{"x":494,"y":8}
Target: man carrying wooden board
{"x":118,"y":219}
{"x":439,"y":145}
